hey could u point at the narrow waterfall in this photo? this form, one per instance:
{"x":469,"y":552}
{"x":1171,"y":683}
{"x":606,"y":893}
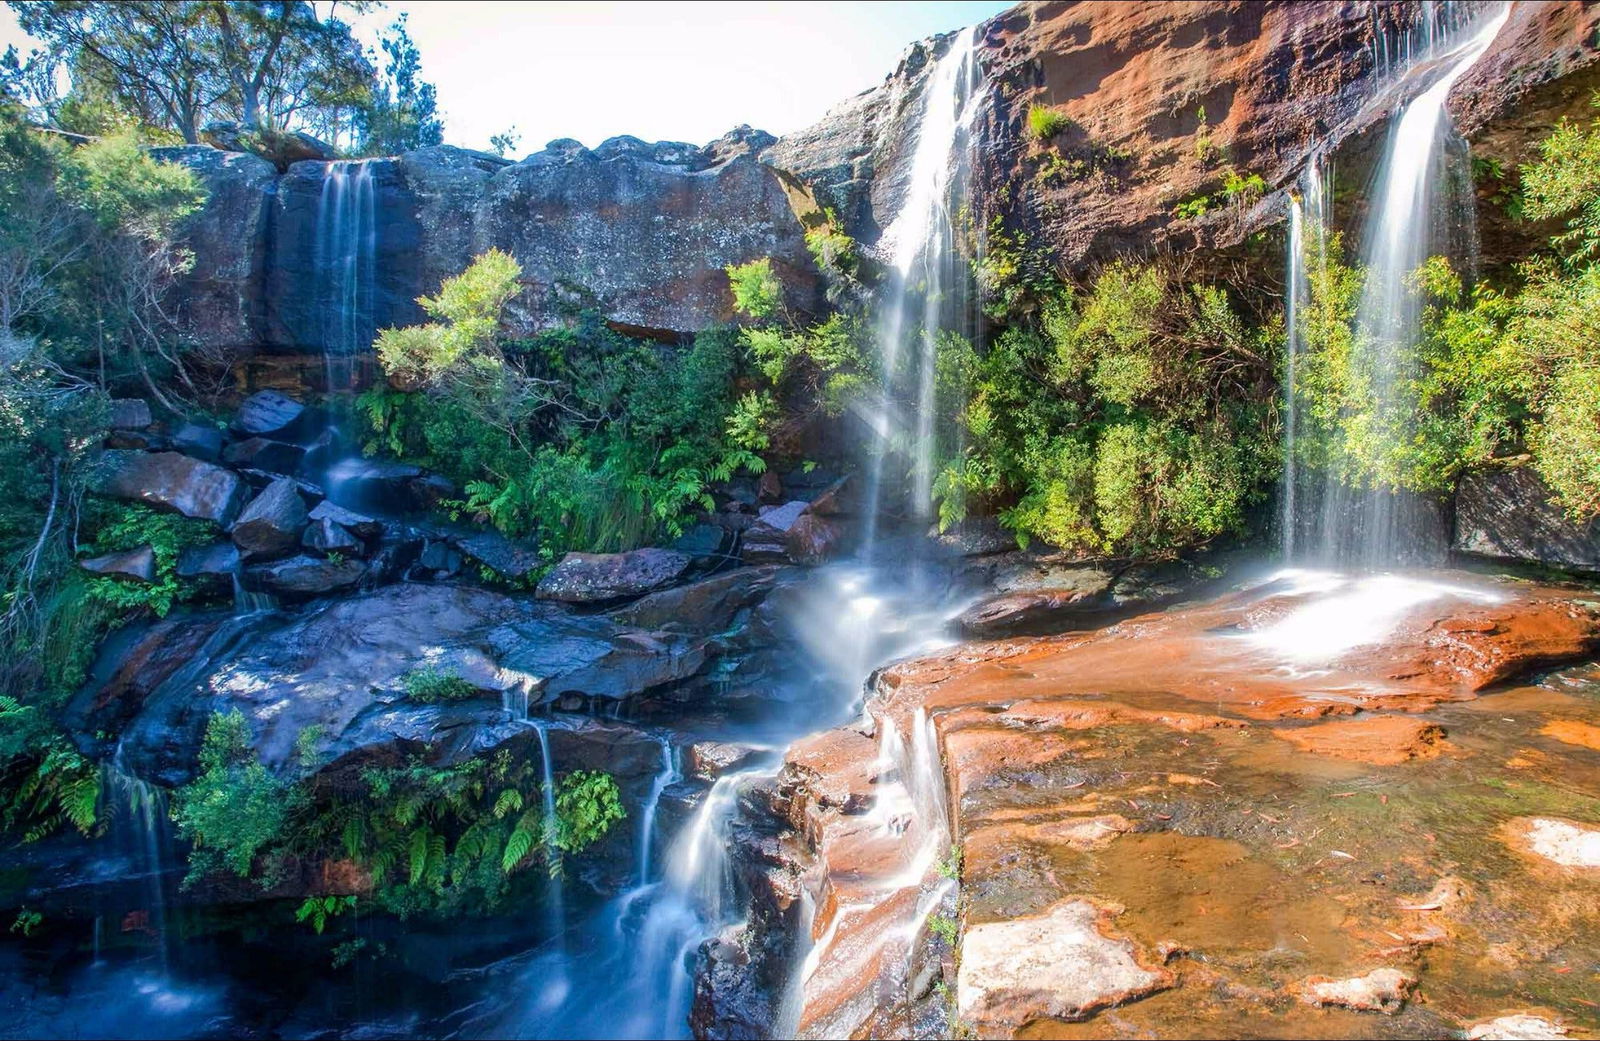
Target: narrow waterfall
{"x":1309,"y":207}
{"x":1359,"y":518}
{"x":138,"y":814}
{"x":927,"y":291}
{"x":346,"y":265}
{"x":670,"y":774}
{"x":555,"y":895}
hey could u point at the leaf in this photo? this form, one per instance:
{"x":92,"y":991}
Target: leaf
{"x":510,"y":801}
{"x":518,"y":844}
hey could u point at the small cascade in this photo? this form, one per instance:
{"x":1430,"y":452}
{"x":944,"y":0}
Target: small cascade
{"x":138,"y":814}
{"x":345,"y":258}
{"x":928,"y":289}
{"x":670,"y":774}
{"x":1354,"y":518}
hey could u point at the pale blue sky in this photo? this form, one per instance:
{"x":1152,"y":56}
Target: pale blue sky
{"x":660,"y":71}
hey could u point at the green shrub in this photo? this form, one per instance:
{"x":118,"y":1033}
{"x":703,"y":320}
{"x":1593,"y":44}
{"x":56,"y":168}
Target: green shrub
{"x":588,"y":803}
{"x":757,"y":292}
{"x":431,"y":685}
{"x":118,"y":527}
{"x":235,"y":808}
{"x":1045,"y":123}
{"x":1133,"y":417}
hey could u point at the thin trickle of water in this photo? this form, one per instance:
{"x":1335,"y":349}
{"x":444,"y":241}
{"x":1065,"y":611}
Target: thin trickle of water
{"x":139,"y":818}
{"x":670,"y":774}
{"x":1307,"y":252}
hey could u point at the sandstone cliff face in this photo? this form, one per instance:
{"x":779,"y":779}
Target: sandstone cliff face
{"x":641,"y":232}
{"x":1163,"y":97}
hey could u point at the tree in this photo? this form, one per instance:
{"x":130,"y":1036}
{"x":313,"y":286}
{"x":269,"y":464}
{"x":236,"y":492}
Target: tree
{"x":178,"y":64}
{"x":403,"y":111}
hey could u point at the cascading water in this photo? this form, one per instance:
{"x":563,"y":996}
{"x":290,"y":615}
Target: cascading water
{"x":1358,"y":518}
{"x":927,"y":289}
{"x":1308,"y":252}
{"x":346,"y":264}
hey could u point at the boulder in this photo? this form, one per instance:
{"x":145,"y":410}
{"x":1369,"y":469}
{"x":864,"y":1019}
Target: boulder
{"x":173,"y":481}
{"x":137,"y":564}
{"x":572,"y":660}
{"x":358,"y":524}
{"x":213,"y":567}
{"x":1381,"y":990}
{"x":813,"y":540}
{"x":1036,"y":600}
{"x":279,"y":147}
{"x":376,"y":485}
{"x":271,"y":524}
{"x":328,"y":537}
{"x":593,"y":577}
{"x":305,"y":576}
{"x":976,"y":537}
{"x":260,"y":453}
{"x":1058,"y":964}
{"x":707,"y":606}
{"x":438,"y":557}
{"x":341,"y":665}
{"x":511,"y":559}
{"x":766,"y":541}
{"x":130,"y":414}
{"x":268,"y":412}
{"x":708,"y":760}
{"x":1508,"y":513}
{"x":200,"y":440}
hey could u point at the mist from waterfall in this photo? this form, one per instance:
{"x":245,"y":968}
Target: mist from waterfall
{"x":1354,"y":519}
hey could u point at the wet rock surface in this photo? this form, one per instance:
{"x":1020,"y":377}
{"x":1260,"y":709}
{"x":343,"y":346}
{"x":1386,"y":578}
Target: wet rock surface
{"x":1241,"y":837}
{"x":594,"y":577}
{"x":174,"y":481}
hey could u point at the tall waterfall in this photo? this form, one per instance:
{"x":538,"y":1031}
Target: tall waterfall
{"x":1377,"y":526}
{"x":346,"y":265}
{"x":927,"y":288}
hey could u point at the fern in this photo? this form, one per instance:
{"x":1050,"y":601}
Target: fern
{"x":518,"y":845}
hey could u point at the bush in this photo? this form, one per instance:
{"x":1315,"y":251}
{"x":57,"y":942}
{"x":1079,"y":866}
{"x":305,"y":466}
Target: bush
{"x":431,"y":685}
{"x":1045,"y":123}
{"x":1131,"y":418}
{"x":235,"y":808}
{"x":118,"y":527}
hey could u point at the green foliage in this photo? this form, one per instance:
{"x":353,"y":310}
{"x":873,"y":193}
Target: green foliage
{"x":402,"y":111}
{"x":431,"y":685}
{"x":318,"y":909}
{"x":1130,"y":418}
{"x":178,"y":64}
{"x":235,"y":808}
{"x":1566,"y":442}
{"x":1045,"y":123}
{"x":584,"y":437}
{"x":949,"y":865}
{"x":27,"y":922}
{"x":44,"y":782}
{"x":1498,"y":369}
{"x":587,"y":805}
{"x":1190,"y":209}
{"x":945,"y":927}
{"x":116,"y":181}
{"x":1565,"y":182}
{"x":757,"y":292}
{"x":119,"y":526}
{"x":1242,"y":189}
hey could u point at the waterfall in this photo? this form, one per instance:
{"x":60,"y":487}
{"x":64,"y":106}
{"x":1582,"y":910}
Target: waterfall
{"x":555,"y":895}
{"x":139,"y":821}
{"x":926,"y":292}
{"x":1308,"y":250}
{"x":669,"y":775}
{"x":1375,"y":525}
{"x":346,"y":265}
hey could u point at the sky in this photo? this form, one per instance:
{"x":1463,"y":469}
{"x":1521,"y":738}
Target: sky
{"x":658,"y":71}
